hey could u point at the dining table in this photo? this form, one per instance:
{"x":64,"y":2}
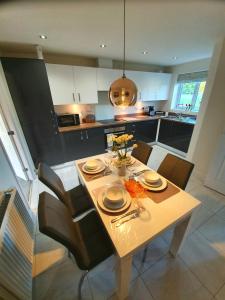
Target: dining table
{"x":160,"y":211}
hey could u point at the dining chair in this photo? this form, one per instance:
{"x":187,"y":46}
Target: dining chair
{"x":176,"y":170}
{"x":142,"y":152}
{"x":85,"y":239}
{"x":76,"y":199}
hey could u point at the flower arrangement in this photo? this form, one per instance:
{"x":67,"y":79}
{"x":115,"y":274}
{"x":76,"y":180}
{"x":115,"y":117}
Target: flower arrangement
{"x":120,"y":146}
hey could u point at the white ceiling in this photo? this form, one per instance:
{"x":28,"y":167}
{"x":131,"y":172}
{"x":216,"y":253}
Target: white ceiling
{"x":165,"y":28}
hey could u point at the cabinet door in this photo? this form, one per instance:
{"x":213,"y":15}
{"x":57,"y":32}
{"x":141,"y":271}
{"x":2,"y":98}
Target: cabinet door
{"x":61,"y":83}
{"x":105,"y":77}
{"x":163,"y":84}
{"x":145,"y":131}
{"x":94,"y":141}
{"x":85,"y":83}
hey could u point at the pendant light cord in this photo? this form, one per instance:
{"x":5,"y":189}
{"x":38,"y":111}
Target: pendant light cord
{"x":124,"y":37}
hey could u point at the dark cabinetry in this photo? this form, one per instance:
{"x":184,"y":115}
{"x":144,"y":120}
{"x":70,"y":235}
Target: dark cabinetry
{"x":82,"y":143}
{"x":28,"y":85}
{"x":144,"y":131}
{"x":175,"y":134}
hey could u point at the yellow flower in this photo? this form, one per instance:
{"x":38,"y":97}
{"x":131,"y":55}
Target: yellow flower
{"x":135,"y":146}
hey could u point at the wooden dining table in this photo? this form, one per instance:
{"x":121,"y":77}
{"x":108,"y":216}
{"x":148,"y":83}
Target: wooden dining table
{"x":163,"y":210}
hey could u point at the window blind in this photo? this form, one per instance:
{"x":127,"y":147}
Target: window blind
{"x":192,"y":77}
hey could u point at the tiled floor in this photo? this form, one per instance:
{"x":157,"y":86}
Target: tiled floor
{"x":198,"y":273}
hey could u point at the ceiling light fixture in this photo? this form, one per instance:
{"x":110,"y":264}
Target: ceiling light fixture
{"x":43,"y":36}
{"x":123,"y":91}
{"x":144,"y":52}
{"x":103,"y":46}
{"x":174,"y":57}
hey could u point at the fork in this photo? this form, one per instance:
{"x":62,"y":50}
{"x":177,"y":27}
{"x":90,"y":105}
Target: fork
{"x":134,"y":216}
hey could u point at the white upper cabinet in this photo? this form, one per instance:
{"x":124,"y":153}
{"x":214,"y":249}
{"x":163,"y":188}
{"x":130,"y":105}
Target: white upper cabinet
{"x":69,"y":84}
{"x":85,"y":84}
{"x":105,"y":77}
{"x":61,"y":83}
{"x":151,"y":86}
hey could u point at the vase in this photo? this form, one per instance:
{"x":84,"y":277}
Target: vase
{"x":122,"y":170}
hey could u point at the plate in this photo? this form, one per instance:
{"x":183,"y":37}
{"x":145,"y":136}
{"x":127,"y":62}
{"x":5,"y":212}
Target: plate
{"x":131,"y":162}
{"x":113,"y":207}
{"x":153,"y":188}
{"x":127,"y":204}
{"x":98,"y":170}
{"x":158,"y":184}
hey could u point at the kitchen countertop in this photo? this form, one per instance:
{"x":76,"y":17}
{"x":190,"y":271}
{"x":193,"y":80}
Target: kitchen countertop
{"x":125,"y":120}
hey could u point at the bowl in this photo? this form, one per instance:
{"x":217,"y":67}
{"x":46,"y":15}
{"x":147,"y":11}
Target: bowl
{"x":114,"y":195}
{"x":151,"y":177}
{"x":91,"y":164}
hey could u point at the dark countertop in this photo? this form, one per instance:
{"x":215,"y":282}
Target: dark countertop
{"x":125,"y":120}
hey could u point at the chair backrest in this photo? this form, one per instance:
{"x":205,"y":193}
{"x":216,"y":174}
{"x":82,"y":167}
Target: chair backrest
{"x":176,"y":169}
{"x":142,"y":152}
{"x":52,"y":180}
{"x":55,"y":221}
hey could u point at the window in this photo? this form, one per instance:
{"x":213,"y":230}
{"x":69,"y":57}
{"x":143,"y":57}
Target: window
{"x":189,"y":91}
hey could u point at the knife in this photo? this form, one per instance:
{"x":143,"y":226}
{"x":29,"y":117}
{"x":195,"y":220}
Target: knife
{"x":123,"y":216}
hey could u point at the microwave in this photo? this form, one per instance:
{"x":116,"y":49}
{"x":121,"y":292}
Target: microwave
{"x":68,"y":120}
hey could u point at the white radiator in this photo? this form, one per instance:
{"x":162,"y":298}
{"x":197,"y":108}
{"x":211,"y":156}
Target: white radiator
{"x":16,"y":247}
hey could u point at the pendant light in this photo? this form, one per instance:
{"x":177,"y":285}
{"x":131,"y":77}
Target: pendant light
{"x":123,"y":91}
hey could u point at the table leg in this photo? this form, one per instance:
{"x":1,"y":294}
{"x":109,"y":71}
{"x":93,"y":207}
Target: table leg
{"x":123,"y":274}
{"x":178,"y":236}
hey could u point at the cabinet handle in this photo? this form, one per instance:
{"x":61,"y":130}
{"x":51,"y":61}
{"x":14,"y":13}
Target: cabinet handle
{"x":86,"y":135}
{"x":81,"y":136}
{"x":74,"y":97}
{"x":79,"y":96}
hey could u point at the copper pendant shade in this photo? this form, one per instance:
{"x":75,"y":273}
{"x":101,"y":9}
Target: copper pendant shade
{"x":123,"y":91}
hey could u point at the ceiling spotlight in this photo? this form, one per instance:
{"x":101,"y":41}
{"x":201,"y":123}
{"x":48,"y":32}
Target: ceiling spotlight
{"x":144,"y":52}
{"x":103,"y":46}
{"x":174,"y":57}
{"x":43,"y":36}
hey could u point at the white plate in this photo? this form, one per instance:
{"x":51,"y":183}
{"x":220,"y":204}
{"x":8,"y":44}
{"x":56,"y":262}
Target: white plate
{"x":114,"y":206}
{"x":157,"y":184}
{"x":153,"y":188}
{"x":98,"y":170}
{"x":121,"y":209}
{"x":131,"y":162}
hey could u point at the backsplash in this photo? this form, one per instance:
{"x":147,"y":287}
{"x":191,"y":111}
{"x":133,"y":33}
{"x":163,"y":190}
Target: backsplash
{"x":104,"y":110}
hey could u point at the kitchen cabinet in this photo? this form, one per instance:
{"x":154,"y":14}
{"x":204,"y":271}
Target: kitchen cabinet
{"x":144,"y":131}
{"x":151,"y":86}
{"x":175,"y":134}
{"x":105,"y":77}
{"x":82,"y":143}
{"x":72,"y":84}
{"x":61,"y":81}
{"x":85,"y":85}
{"x":28,"y":85}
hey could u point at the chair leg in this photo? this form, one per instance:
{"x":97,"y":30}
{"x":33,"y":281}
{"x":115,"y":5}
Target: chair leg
{"x":80,"y":285}
{"x":145,"y":254}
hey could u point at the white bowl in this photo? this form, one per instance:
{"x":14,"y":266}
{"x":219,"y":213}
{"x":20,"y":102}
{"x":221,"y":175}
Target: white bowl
{"x":114,"y":195}
{"x":151,"y":177}
{"x":91,"y":164}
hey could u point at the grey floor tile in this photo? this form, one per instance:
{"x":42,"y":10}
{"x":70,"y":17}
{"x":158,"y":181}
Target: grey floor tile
{"x":170,"y":279}
{"x":138,"y":291}
{"x":205,"y":261}
{"x":103,"y":281}
{"x":214,"y":231}
{"x":155,"y":250}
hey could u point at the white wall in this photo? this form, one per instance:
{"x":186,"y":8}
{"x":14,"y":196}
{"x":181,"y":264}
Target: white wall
{"x":194,"y":66}
{"x":211,"y":117}
{"x":7,"y":178}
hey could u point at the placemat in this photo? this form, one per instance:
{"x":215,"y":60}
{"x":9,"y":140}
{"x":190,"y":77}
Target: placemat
{"x":89,"y":177}
{"x":168,"y":192}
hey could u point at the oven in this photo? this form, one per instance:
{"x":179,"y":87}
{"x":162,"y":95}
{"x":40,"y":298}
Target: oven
{"x":109,"y":132}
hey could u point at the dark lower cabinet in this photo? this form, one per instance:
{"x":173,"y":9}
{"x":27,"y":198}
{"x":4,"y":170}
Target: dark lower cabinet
{"x":144,"y":131}
{"x":175,"y":134}
{"x":82,"y":143}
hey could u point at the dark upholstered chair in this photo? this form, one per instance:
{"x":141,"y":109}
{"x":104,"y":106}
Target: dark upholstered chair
{"x":76,"y":199}
{"x":176,"y":169}
{"x":86,"y":239}
{"x":142,"y":152}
